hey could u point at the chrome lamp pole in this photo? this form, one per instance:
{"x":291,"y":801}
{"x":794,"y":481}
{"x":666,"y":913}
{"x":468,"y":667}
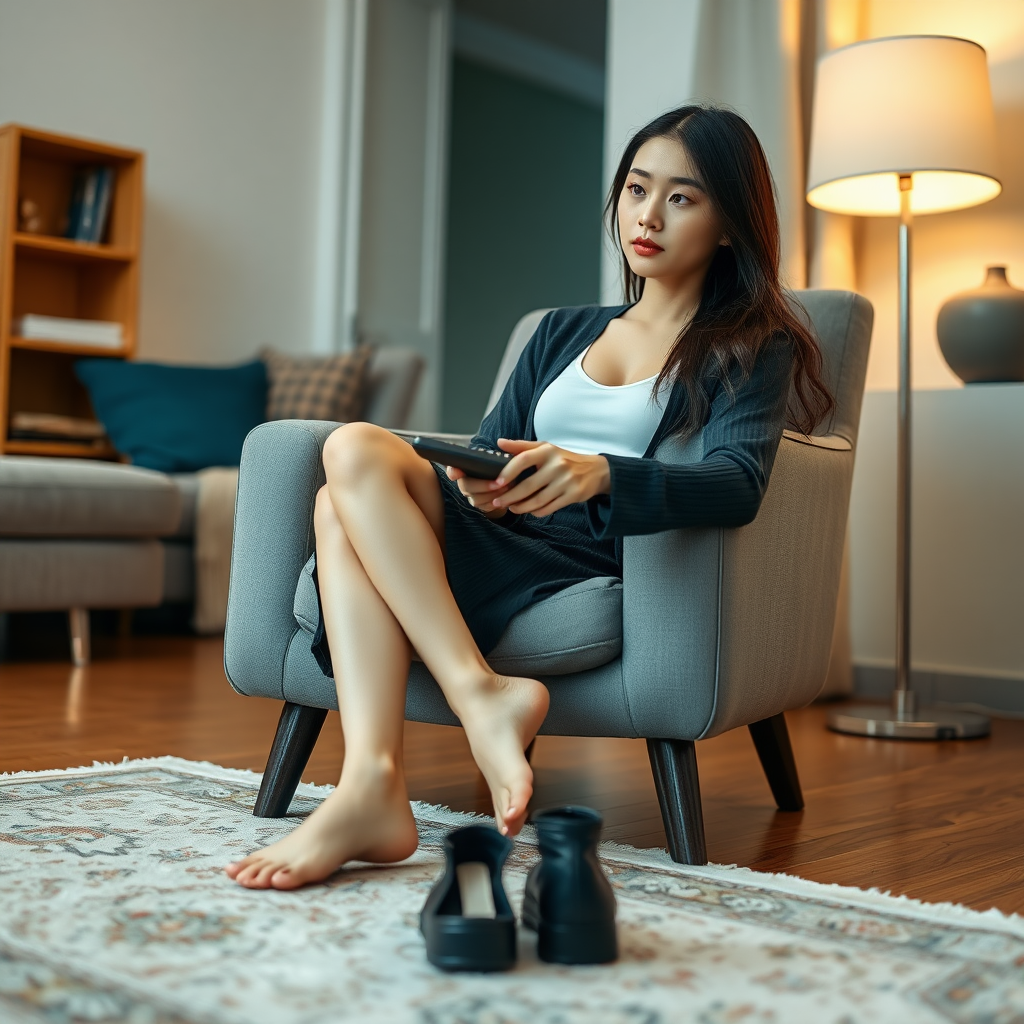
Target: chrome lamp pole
{"x":903,"y":124}
{"x":903,"y":720}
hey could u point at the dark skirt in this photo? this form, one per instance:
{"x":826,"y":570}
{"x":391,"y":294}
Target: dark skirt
{"x":498,"y":567}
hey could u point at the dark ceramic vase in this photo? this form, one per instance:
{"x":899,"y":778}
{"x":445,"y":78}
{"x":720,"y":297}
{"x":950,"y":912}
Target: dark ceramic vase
{"x":981,"y":332}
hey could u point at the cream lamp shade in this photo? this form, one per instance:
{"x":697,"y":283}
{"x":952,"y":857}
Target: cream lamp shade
{"x":919,"y":105}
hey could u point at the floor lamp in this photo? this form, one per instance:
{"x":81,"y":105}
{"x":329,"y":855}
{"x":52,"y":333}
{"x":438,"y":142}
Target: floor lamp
{"x":901,"y":126}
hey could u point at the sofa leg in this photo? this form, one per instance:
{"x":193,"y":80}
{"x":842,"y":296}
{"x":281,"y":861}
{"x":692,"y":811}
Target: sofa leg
{"x":297,"y":732}
{"x":674,"y":765}
{"x":771,"y":739}
{"x":78,"y":622}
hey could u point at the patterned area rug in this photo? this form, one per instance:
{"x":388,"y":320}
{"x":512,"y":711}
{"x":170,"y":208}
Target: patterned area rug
{"x":113,"y":908}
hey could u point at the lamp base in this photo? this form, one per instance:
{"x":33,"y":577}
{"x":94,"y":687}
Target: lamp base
{"x":924,"y":724}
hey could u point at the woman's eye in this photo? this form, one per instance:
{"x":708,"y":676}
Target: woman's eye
{"x":680,"y":200}
{"x":634,"y":189}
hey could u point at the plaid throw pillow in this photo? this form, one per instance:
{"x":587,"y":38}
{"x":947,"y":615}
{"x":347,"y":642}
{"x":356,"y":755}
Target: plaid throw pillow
{"x":316,"y":387}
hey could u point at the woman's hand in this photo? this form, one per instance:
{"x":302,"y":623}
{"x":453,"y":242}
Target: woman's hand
{"x":561,"y":478}
{"x":479,"y":493}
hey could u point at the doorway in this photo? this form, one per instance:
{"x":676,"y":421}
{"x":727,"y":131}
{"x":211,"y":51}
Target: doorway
{"x":524,"y":195}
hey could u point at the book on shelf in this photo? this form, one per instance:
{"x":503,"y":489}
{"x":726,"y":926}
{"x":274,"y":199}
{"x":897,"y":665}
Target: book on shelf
{"x":44,"y":426}
{"x":105,"y":192}
{"x":91,"y":196}
{"x":68,"y":331}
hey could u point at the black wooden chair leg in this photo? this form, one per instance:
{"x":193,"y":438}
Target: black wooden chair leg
{"x":771,"y":738}
{"x":297,"y":732}
{"x":674,"y":764}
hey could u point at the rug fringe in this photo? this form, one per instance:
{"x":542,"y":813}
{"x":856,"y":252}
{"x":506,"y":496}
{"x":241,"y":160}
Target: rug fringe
{"x":168,"y":761}
{"x":953,"y":913}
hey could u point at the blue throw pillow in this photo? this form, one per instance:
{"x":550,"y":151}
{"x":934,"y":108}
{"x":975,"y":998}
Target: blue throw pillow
{"x":176,"y":419}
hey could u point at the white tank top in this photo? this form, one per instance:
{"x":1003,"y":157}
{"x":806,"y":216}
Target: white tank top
{"x":580,"y":415}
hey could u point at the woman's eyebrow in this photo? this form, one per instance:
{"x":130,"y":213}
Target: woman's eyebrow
{"x":675,"y":181}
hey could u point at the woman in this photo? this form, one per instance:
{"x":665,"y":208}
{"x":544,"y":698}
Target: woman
{"x":413,"y":558}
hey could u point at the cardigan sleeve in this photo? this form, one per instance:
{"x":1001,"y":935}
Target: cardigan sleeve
{"x":740,"y":440}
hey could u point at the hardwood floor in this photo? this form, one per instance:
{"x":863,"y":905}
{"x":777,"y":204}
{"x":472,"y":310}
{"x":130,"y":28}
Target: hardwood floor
{"x":942,"y":821}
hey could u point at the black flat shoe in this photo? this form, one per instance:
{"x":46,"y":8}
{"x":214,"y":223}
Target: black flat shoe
{"x":467,"y":921}
{"x":569,"y":902}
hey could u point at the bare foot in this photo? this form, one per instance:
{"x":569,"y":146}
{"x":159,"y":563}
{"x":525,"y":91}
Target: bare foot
{"x":500,"y":719}
{"x":365,"y":818}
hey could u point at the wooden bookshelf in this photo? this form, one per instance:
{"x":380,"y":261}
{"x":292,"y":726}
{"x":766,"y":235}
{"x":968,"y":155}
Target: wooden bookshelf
{"x":45,"y":273}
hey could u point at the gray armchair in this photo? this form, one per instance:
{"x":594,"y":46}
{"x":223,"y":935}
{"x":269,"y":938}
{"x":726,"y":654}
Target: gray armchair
{"x":707,"y":630}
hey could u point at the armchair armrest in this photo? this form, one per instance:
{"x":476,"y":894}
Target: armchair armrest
{"x":723,"y":627}
{"x":281,"y":471}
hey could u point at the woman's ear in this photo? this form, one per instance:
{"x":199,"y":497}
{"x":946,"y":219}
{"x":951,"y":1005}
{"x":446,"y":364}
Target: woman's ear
{"x":724,"y":241}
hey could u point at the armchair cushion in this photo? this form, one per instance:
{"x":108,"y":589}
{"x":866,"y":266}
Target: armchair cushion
{"x":574,"y":630}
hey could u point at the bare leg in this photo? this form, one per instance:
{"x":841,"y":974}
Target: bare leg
{"x":390,"y":505}
{"x":368,"y":816}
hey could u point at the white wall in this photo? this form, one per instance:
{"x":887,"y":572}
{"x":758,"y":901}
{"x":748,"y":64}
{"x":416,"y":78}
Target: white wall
{"x":225,"y":98}
{"x":967,"y":575}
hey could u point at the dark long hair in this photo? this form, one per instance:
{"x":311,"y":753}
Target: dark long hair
{"x":742,"y":307}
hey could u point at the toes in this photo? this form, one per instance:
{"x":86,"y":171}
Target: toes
{"x":262,"y":879}
{"x":514,"y":822}
{"x":516,"y":806}
{"x":499,"y":818}
{"x":249,"y":873}
{"x":247,"y":877}
{"x":511,"y":803}
{"x":236,"y":867}
{"x":261,"y":873}
{"x":285,"y":878}
{"x":510,"y":807}
{"x":519,"y":797}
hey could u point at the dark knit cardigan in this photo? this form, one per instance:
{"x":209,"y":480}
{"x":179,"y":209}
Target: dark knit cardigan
{"x":740,"y":437}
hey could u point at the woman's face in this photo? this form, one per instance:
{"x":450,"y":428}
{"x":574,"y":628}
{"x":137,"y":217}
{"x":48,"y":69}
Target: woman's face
{"x":668,"y":228}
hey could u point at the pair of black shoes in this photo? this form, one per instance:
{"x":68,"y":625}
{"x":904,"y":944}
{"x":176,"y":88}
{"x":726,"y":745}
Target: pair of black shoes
{"x":469,"y":925}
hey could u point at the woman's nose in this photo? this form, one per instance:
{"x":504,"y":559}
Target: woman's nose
{"x":649,"y":217}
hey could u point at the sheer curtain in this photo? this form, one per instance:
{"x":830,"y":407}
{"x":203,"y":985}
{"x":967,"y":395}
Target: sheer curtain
{"x":748,"y":58}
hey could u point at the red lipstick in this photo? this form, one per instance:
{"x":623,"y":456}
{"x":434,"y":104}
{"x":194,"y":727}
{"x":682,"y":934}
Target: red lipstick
{"x":645,"y":247}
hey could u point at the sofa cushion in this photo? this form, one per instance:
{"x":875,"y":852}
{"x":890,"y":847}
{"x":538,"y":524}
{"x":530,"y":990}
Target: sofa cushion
{"x":574,"y":630}
{"x":176,"y":418}
{"x":302,"y":387}
{"x":82,"y":498}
